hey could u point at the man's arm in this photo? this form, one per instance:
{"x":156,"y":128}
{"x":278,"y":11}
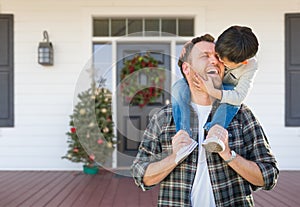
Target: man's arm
{"x":249,"y":170}
{"x":157,"y":171}
{"x":149,"y":168}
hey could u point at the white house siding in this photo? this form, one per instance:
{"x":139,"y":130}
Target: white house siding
{"x":44,"y":95}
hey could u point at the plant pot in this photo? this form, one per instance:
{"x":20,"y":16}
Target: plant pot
{"x":91,"y":170}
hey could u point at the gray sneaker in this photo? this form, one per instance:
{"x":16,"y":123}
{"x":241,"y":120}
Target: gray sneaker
{"x":213,"y":144}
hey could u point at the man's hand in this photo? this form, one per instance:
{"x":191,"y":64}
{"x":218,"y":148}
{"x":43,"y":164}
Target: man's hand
{"x":245,"y":168}
{"x":181,"y":139}
{"x":157,"y":171}
{"x":222,"y":134}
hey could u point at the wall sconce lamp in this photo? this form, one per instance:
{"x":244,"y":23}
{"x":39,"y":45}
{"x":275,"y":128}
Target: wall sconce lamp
{"x":45,"y":51}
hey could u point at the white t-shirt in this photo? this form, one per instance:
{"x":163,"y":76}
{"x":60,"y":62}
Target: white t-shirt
{"x":202,"y":193}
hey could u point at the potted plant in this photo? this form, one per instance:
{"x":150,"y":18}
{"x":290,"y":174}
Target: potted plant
{"x":90,"y":137}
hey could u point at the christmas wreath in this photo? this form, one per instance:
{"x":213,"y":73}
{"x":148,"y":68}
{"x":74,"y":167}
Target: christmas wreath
{"x":141,"y":80}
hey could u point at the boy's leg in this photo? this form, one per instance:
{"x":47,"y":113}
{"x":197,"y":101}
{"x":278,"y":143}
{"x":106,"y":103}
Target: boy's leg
{"x":223,"y":116}
{"x":180,"y":105}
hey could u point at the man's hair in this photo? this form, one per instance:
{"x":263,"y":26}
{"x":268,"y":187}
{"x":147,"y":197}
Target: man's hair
{"x":237,"y":44}
{"x":187,"y":48}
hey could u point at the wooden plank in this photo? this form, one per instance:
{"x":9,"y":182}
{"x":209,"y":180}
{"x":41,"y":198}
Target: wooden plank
{"x":78,"y":190}
{"x":17,"y":184}
{"x":5,"y":176}
{"x":148,"y":198}
{"x":99,"y":192}
{"x":110,"y":193}
{"x":34,"y":188}
{"x":36,"y":178}
{"x":63,"y":183}
{"x":45,"y":191}
{"x":62,"y":193}
{"x":126,"y":194}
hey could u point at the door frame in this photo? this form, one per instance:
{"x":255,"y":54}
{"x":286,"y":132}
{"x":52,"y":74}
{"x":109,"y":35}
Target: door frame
{"x":144,"y":40}
{"x":88,"y":13}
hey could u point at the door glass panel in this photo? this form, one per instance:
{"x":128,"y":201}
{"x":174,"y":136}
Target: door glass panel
{"x":102,"y":60}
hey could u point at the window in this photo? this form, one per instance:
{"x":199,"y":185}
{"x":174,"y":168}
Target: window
{"x":113,"y":27}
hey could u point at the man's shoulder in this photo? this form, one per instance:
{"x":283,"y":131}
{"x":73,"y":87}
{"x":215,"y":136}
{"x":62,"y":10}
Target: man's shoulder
{"x":164,"y":111}
{"x":162,"y":117}
{"x":245,"y":114}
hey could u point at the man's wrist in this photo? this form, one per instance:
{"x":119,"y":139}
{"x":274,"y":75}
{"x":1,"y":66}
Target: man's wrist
{"x":232,"y":157}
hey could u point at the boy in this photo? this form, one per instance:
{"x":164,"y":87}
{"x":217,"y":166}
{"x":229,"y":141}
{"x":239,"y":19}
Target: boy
{"x":236,"y":48}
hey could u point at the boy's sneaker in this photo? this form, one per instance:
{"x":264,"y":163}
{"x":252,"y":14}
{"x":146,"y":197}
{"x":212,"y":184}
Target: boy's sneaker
{"x":213,"y":144}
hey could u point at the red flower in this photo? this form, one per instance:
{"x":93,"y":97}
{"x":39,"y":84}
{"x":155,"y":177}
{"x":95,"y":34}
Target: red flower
{"x":73,"y":130}
{"x":131,"y":69}
{"x":144,"y":64}
{"x":151,"y":90}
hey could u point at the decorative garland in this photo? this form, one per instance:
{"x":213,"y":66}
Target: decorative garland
{"x":137,"y":70}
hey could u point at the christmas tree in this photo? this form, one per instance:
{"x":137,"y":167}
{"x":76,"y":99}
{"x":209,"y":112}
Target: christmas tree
{"x":91,"y":138}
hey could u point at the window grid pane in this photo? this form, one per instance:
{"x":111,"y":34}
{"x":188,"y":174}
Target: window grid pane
{"x":152,"y":27}
{"x":168,"y":27}
{"x":135,"y":27}
{"x":100,"y":27}
{"x":186,"y":27}
{"x":118,"y":27}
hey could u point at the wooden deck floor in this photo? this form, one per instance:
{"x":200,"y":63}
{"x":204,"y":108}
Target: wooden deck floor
{"x":69,"y":188}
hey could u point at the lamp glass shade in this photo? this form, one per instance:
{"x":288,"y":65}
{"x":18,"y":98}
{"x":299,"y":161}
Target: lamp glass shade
{"x":45,"y":53}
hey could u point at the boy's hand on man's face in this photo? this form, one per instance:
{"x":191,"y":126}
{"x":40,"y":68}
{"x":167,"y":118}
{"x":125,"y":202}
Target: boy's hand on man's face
{"x":200,"y":83}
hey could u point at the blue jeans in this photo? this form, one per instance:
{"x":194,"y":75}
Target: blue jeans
{"x":181,"y":98}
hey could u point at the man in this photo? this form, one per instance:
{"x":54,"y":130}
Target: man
{"x":204,"y":179}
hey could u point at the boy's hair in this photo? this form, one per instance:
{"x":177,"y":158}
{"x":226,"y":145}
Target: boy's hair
{"x":237,"y":44}
{"x":188,"y":46}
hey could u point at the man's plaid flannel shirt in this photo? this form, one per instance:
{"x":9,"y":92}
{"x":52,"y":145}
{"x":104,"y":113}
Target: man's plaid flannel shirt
{"x":246,"y":138}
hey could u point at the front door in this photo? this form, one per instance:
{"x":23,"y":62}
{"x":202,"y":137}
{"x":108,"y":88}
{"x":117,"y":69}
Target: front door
{"x":132,"y":119}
